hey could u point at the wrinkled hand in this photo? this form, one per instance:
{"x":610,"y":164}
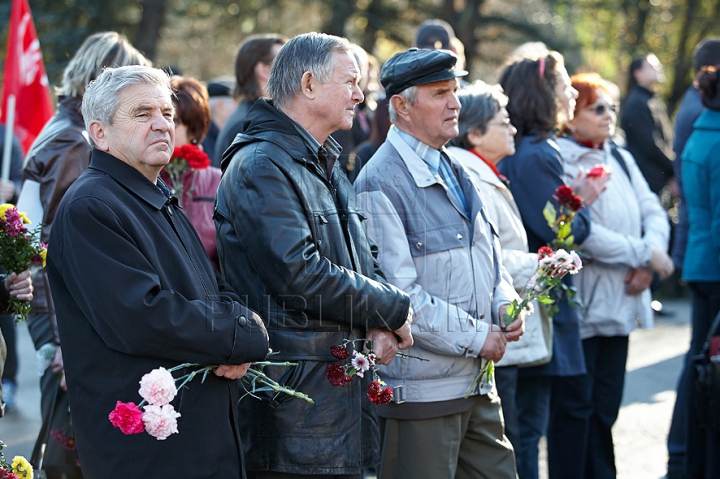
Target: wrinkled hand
{"x":384,"y":345}
{"x":638,"y":280}
{"x":58,"y":367}
{"x":232,"y":371}
{"x":589,"y":188}
{"x":494,"y":347}
{"x":514,"y":330}
{"x":7,"y":190}
{"x":661,"y":263}
{"x":20,"y":285}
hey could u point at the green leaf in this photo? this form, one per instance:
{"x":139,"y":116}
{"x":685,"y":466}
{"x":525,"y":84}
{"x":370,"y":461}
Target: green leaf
{"x":550,"y":214}
{"x":565,"y":230}
{"x":546,"y":300}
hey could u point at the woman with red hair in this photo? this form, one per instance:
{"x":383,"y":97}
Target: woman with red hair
{"x":627,"y":243}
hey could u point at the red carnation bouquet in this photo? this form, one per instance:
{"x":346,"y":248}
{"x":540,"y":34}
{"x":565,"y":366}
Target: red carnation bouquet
{"x":339,"y":374}
{"x":186,"y":158}
{"x":554,"y":262}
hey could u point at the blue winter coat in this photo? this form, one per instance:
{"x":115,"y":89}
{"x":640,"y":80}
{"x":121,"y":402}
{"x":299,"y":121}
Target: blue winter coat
{"x":535,"y":171}
{"x":701,"y":178}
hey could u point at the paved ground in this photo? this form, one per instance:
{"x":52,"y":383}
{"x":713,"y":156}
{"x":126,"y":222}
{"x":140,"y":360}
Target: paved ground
{"x":640,"y":432}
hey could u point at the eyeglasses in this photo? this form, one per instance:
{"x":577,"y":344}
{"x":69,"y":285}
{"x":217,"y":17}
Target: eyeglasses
{"x":602,"y":108}
{"x":506,"y":123}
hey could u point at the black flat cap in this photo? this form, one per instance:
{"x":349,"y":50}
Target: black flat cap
{"x":418,"y":67}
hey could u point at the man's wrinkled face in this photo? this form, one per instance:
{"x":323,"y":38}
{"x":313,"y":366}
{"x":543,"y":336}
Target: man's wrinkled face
{"x":434,"y":116}
{"x":338,"y":97}
{"x":142,"y":133}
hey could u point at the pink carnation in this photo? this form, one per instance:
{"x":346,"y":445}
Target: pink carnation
{"x":127,"y":417}
{"x":158,"y":387}
{"x":160,"y":421}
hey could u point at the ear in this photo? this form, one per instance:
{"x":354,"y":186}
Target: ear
{"x":475,"y":137}
{"x":308,"y":85}
{"x":98,"y":133}
{"x":400,"y":104}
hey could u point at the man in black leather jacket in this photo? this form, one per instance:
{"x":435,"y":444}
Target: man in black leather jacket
{"x":292,"y":238}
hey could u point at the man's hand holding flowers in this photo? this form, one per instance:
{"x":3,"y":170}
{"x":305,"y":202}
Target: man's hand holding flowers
{"x":19,"y":285}
{"x":230,"y":371}
{"x":516,"y":328}
{"x":386,"y":344}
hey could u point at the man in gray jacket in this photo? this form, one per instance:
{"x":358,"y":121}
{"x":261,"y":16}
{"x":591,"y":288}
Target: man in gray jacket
{"x":436,"y":243}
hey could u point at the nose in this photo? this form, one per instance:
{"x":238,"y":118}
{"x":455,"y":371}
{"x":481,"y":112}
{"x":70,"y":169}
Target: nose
{"x":513,"y":130}
{"x":161,"y":123}
{"x":454,"y":103}
{"x":574,"y":93}
{"x":357,"y":95}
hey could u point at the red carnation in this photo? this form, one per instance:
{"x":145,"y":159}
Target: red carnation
{"x":196,"y":158}
{"x":335,"y":374}
{"x":544,"y":252}
{"x":339,"y":352}
{"x":379,"y":396}
{"x":372,"y":391}
{"x":564,"y":193}
{"x":576,"y":203}
{"x":385,"y":396}
{"x":346,"y":379}
{"x":128,"y":417}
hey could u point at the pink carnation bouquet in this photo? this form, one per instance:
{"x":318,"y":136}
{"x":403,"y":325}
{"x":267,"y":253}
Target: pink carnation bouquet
{"x":156,"y":416}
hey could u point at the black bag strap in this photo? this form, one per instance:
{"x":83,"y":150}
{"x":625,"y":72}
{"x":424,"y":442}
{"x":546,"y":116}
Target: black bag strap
{"x":618,"y":156}
{"x":38,"y":453}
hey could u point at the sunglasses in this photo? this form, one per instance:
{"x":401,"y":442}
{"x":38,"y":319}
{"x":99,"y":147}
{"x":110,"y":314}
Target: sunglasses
{"x":602,"y":108}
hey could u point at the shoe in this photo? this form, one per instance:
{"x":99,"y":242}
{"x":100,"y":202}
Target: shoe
{"x":8,"y":394}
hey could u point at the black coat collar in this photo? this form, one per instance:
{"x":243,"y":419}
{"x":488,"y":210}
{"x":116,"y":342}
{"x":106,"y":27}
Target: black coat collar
{"x":130,"y":178}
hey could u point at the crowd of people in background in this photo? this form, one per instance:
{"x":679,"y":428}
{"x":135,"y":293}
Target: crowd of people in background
{"x":343,"y":199}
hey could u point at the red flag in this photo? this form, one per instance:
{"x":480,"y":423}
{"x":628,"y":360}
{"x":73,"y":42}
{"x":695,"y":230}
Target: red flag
{"x":25,"y":77}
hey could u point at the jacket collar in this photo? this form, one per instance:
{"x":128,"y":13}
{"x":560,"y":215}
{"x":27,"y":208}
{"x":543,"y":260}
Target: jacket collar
{"x":129,"y":178}
{"x":473,"y":163}
{"x":419,"y":170}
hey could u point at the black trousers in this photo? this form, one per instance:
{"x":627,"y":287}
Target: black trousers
{"x":702,"y":460}
{"x":583,"y":410}
{"x":7,"y":326}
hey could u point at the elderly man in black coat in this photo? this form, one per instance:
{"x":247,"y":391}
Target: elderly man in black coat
{"x":134,"y":291}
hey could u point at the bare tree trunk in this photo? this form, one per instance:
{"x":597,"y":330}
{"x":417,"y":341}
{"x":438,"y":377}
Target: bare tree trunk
{"x":683,"y":64}
{"x":341,"y":10}
{"x":153,"y":19}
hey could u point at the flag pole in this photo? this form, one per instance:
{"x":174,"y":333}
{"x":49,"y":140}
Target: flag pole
{"x":7,"y":147}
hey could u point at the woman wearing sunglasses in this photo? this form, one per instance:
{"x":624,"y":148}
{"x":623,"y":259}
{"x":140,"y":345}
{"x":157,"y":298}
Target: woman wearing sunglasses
{"x":627,"y":244}
{"x":540,"y":100}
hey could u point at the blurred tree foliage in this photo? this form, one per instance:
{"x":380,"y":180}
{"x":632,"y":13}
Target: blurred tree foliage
{"x":201,"y":37}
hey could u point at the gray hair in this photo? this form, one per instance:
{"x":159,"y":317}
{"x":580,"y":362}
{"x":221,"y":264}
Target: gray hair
{"x":479,"y":104}
{"x":102,"y":96}
{"x":98,"y":51}
{"x":410,"y":94}
{"x":309,"y":52}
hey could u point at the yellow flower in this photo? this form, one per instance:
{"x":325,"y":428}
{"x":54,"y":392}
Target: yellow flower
{"x":4,"y":208}
{"x":43,"y":255}
{"x":24,"y":218}
{"x":22,"y":468}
